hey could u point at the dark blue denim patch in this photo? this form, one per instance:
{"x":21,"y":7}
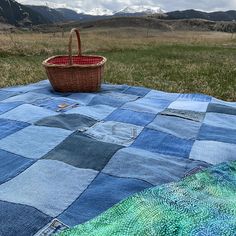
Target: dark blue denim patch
{"x":220,"y":108}
{"x":7,"y":106}
{"x":21,"y":220}
{"x":214,"y":133}
{"x":138,"y":91}
{"x":103,"y":193}
{"x":160,"y":142}
{"x":131,"y":117}
{"x":11,"y":165}
{"x":81,"y":151}
{"x":8,"y":127}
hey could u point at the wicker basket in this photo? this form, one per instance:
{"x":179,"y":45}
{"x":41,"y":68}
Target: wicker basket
{"x":75,"y":73}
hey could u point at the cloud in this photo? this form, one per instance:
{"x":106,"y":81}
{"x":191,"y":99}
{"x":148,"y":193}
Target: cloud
{"x":168,"y":5}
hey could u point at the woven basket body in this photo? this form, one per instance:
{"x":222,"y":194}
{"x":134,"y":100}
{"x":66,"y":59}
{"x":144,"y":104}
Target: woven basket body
{"x":75,"y":73}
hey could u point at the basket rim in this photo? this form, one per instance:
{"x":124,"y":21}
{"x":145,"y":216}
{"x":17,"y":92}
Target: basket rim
{"x":46,"y":64}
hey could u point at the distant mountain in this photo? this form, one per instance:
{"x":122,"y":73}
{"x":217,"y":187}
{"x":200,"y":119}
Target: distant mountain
{"x":13,"y":13}
{"x":69,"y":14}
{"x":50,"y":14}
{"x":139,"y":10}
{"x":99,"y":12}
{"x":193,"y":14}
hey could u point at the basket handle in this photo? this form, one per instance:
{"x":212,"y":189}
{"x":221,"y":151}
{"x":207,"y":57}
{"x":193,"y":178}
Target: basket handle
{"x":70,"y":44}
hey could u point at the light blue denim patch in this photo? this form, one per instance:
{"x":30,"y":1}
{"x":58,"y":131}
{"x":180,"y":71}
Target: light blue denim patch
{"x":194,"y":97}
{"x":106,"y":100}
{"x":138,"y":91}
{"x":220,"y":108}
{"x":163,"y":143}
{"x":11,"y":165}
{"x":103,"y":193}
{"x":27,"y":88}
{"x":29,"y":97}
{"x":4,"y":107}
{"x":27,"y":113}
{"x":98,"y":112}
{"x":49,"y":186}
{"x":218,"y":101}
{"x":131,"y":117}
{"x":179,"y":127}
{"x":113,"y":88}
{"x":57,"y":104}
{"x":8,"y":127}
{"x":21,"y":220}
{"x":114,"y":132}
{"x":162,"y":95}
{"x":213,"y":133}
{"x":220,"y":120}
{"x":34,"y":141}
{"x":189,"y":105}
{"x":82,"y":98}
{"x":153,"y":168}
{"x":213,"y":152}
{"x":150,"y":105}
{"x":7,"y":94}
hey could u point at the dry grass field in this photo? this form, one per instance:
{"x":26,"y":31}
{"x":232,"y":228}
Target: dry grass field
{"x":196,"y":62}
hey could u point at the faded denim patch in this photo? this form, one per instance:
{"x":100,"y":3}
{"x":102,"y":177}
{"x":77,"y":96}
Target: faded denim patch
{"x":5,"y":107}
{"x":179,"y":127}
{"x":83,"y":152}
{"x":151,"y":167}
{"x":194,"y":97}
{"x":33,"y":141}
{"x":27,"y":113}
{"x":163,"y":143}
{"x":131,"y":117}
{"x":213,"y":133}
{"x":114,"y":132}
{"x":103,"y":193}
{"x":213,"y":152}
{"x":189,"y":105}
{"x":57,"y":185}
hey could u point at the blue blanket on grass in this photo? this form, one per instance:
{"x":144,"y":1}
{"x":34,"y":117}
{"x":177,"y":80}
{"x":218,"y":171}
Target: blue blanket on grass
{"x":66,"y":158}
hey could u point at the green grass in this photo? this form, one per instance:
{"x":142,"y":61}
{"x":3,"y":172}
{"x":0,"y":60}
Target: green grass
{"x":190,"y":63}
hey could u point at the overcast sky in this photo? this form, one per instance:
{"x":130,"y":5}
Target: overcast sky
{"x":168,"y":5}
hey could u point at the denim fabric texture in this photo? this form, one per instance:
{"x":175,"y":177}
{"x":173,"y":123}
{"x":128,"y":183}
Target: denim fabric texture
{"x":71,"y":156}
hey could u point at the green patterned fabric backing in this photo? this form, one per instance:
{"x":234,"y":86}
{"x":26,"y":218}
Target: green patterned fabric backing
{"x":201,"y":204}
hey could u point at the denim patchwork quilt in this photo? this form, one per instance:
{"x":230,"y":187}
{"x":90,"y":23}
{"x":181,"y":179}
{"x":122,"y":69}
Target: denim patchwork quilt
{"x":67,"y":158}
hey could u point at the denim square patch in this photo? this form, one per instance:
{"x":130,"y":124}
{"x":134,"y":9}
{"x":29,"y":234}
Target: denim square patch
{"x":33,"y":141}
{"x":150,"y":105}
{"x":11,"y":165}
{"x":213,"y":152}
{"x":189,"y":105}
{"x":67,"y":121}
{"x":83,"y":152}
{"x":7,"y":94}
{"x":179,"y":127}
{"x":21,"y":220}
{"x":5,"y":107}
{"x":138,"y":91}
{"x":114,"y":132}
{"x":103,"y":193}
{"x":27,"y":113}
{"x":82,"y":98}
{"x":163,"y":143}
{"x":113,"y":88}
{"x":220,"y":120}
{"x":151,"y":167}
{"x":213,"y":133}
{"x":49,"y":186}
{"x":98,"y":112}
{"x":162,"y":95}
{"x":131,"y":117}
{"x":106,"y":100}
{"x":57,"y":104}
{"x":8,"y":127}
{"x":220,"y":108}
{"x":194,"y":97}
